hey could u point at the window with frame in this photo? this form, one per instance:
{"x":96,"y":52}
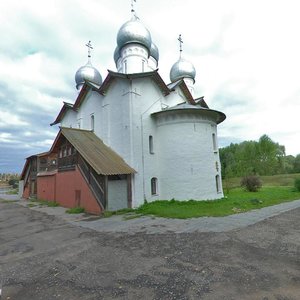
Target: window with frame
{"x":154,"y":186}
{"x":151,"y":145}
{"x":218,"y":184}
{"x":92,"y":122}
{"x":214,"y":140}
{"x":125,"y":66}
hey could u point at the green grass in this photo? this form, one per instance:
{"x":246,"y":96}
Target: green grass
{"x":13,"y":192}
{"x":43,"y":202}
{"x":109,"y":213}
{"x":8,"y":201}
{"x":75,"y":210}
{"x":236,"y":201}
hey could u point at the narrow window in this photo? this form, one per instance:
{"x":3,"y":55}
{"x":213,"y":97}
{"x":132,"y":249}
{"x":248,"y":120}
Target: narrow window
{"x":214,"y":142}
{"x":218,"y":184}
{"x":125,"y":66}
{"x":154,"y":186}
{"x":151,"y":146}
{"x":92,"y":122}
{"x":143,"y":66}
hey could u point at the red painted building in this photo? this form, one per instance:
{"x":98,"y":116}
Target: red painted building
{"x":77,"y":172}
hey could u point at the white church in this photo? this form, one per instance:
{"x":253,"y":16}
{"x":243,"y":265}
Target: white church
{"x":131,"y":137}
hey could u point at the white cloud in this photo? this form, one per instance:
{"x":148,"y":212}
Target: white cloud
{"x":246,"y":54}
{"x":8,"y":119}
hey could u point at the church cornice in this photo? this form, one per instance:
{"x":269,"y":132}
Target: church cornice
{"x":66,"y":106}
{"x":153,"y":75}
{"x":218,"y":116}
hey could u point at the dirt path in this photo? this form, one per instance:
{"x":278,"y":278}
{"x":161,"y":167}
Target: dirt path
{"x":43,"y":257}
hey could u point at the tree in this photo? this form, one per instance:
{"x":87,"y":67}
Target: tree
{"x":264,"y":157}
{"x":297,"y":164}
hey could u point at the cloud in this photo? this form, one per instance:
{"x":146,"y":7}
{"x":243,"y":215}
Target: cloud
{"x":246,"y":56}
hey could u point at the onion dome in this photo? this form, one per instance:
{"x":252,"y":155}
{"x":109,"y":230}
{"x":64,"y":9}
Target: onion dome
{"x":154,"y":51}
{"x":182,"y":69}
{"x":134,"y":31}
{"x":116,"y":55}
{"x":87,"y":72}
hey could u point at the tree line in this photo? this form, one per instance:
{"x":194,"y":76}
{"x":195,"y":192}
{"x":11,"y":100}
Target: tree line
{"x":262,"y":157}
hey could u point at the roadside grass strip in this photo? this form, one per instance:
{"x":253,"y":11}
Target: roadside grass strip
{"x":236,"y":201}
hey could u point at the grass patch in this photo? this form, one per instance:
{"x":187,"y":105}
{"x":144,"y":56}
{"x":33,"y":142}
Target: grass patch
{"x":8,"y":201}
{"x":31,"y":205}
{"x":109,"y":213}
{"x":35,"y":202}
{"x":75,"y":210}
{"x":12,"y":192}
{"x":236,"y":201}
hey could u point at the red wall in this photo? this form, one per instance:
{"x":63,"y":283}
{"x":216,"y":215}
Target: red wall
{"x":26,"y":192}
{"x":69,"y":189}
{"x":46,"y":187}
{"x":66,"y":185}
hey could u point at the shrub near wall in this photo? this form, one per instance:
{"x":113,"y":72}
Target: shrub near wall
{"x":297,"y":184}
{"x":251,"y":183}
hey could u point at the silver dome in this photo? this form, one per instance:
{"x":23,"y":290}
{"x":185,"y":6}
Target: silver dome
{"x":182,"y":69}
{"x":154,"y":51}
{"x":116,"y":55}
{"x":87,"y":72}
{"x":134,"y":31}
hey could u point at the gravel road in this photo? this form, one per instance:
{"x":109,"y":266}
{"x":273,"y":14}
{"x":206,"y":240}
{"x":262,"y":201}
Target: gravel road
{"x":45,"y":257}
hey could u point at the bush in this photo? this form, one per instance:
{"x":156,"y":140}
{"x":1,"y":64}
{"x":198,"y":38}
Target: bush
{"x":75,"y":210}
{"x":14,"y":183}
{"x":297,"y":184}
{"x":251,"y":183}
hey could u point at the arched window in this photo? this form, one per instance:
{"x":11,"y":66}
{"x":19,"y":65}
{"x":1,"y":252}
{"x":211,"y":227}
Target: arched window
{"x":218,"y":184}
{"x":92,"y":122}
{"x":214,"y":142}
{"x":151,"y":145}
{"x":125,"y":66}
{"x":153,"y":186}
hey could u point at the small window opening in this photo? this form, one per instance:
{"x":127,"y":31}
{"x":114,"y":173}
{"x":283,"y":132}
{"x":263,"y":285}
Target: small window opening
{"x":154,"y":186}
{"x":151,"y":145}
{"x":218,"y":184}
{"x":214,"y":142}
{"x":92,"y":122}
{"x":125,"y":66}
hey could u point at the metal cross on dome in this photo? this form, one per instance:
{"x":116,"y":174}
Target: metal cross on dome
{"x":180,"y":44}
{"x":89,"y":45}
{"x":132,"y":7}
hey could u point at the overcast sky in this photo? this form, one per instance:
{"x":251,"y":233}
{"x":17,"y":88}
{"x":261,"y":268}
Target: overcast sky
{"x":246,"y":54}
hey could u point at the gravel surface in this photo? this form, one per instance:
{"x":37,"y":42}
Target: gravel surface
{"x":43,"y":256}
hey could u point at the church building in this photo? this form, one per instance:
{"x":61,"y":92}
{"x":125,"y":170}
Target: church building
{"x":131,"y":137}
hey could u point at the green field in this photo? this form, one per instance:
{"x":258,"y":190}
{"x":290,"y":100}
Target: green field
{"x":275,"y":180}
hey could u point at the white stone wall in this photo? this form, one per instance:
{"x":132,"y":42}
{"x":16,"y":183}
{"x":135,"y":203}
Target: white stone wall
{"x":187,"y":158}
{"x":69,"y":119}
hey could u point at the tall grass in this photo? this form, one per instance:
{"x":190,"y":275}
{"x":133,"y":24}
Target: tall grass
{"x":275,"y":180}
